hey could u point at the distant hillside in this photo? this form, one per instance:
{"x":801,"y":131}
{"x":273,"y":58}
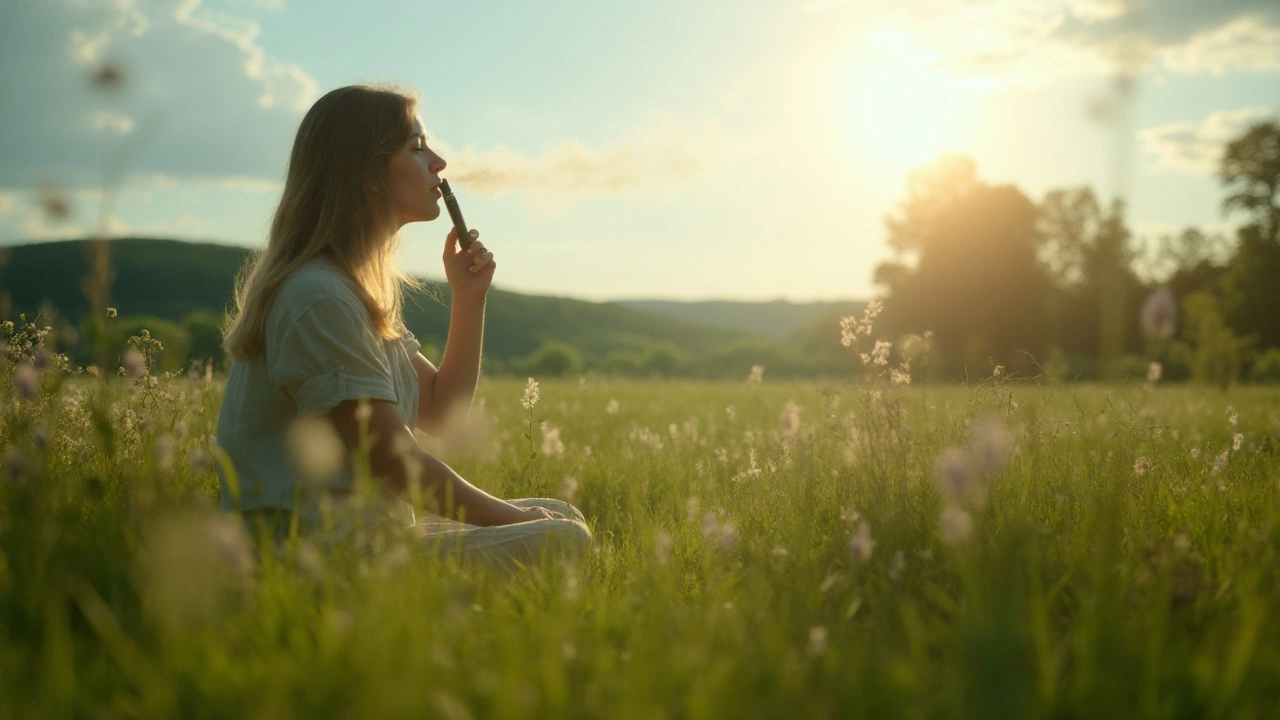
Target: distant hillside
{"x":170,"y":279}
{"x":778,"y":319}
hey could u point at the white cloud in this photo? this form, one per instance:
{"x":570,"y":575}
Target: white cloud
{"x":1195,"y":147}
{"x":664,"y":152}
{"x":198,"y":97}
{"x":1247,"y":43}
{"x":113,"y":121}
{"x":1031,"y":42}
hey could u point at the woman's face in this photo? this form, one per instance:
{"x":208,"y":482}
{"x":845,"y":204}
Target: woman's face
{"x":414,"y":174}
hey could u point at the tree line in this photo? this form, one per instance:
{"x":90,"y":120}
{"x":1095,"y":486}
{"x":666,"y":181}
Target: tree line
{"x":1058,"y":286}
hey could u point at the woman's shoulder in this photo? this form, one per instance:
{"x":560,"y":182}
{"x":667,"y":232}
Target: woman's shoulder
{"x":316,"y":280}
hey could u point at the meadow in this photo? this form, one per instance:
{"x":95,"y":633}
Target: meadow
{"x":853,"y":548}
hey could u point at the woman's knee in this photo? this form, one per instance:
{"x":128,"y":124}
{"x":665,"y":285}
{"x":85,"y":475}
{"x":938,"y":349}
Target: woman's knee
{"x":572,"y":536}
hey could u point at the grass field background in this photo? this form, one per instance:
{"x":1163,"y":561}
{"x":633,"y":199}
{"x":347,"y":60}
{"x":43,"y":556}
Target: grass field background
{"x":1014,"y":548}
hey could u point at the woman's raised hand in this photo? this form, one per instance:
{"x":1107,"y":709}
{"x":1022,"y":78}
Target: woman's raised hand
{"x":470,"y":271}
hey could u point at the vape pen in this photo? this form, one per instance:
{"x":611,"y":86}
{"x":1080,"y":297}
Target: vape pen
{"x":451,"y":202}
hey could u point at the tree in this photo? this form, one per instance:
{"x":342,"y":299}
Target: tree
{"x":968,"y":270}
{"x":1086,"y":250}
{"x":1214,"y":353}
{"x":1250,"y":169}
{"x":204,"y":334}
{"x":555,"y":359}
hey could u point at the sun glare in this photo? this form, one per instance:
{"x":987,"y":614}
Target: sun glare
{"x":901,"y":112}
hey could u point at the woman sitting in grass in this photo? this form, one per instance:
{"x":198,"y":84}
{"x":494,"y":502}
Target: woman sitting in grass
{"x":318,"y":341}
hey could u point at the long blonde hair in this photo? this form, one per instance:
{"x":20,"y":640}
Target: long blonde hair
{"x":327,"y":209}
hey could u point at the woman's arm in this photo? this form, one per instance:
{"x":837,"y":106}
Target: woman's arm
{"x":454,"y":385}
{"x":395,"y":454}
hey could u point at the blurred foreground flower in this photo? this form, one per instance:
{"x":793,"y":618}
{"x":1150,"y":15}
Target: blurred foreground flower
{"x":956,"y":478}
{"x":989,"y":445}
{"x":551,"y":443}
{"x":757,"y":375}
{"x":861,"y":545}
{"x":817,"y":640}
{"x":1159,"y":315}
{"x":955,"y":526}
{"x":135,"y":365}
{"x":1154,"y":371}
{"x":315,"y":447}
{"x":790,"y":418}
{"x":26,"y":381}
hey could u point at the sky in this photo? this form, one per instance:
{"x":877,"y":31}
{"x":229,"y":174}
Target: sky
{"x":674,"y":149}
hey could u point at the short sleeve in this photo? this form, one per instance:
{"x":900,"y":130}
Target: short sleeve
{"x":330,"y":354}
{"x":411,"y":344}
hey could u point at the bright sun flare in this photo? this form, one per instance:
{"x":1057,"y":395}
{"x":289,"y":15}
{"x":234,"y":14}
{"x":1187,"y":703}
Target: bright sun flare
{"x":901,"y":112}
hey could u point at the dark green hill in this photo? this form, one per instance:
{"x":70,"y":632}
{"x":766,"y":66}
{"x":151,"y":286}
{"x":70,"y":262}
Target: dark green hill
{"x":169,"y":280}
{"x":163,"y":278}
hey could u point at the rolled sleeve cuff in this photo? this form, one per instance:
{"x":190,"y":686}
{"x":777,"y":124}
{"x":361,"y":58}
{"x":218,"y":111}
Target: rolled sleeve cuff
{"x":322,"y":393}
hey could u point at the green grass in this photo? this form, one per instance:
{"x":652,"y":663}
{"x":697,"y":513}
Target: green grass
{"x":721,"y":586}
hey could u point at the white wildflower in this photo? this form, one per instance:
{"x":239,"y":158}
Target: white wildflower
{"x":1154,"y":371}
{"x":817,"y":640}
{"x":551,"y":444}
{"x":1220,"y":461}
{"x":568,"y":487}
{"x":757,"y":375}
{"x":1140,"y":466}
{"x":530,"y":395}
{"x":900,"y":375}
{"x":790,"y":418}
{"x":612,"y":407}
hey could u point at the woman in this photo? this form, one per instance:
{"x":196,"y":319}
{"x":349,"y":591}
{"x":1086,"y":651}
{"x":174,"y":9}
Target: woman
{"x":318,"y":332}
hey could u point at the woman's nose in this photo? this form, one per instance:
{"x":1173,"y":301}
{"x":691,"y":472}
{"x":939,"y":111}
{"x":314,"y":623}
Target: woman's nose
{"x":437,"y":164}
